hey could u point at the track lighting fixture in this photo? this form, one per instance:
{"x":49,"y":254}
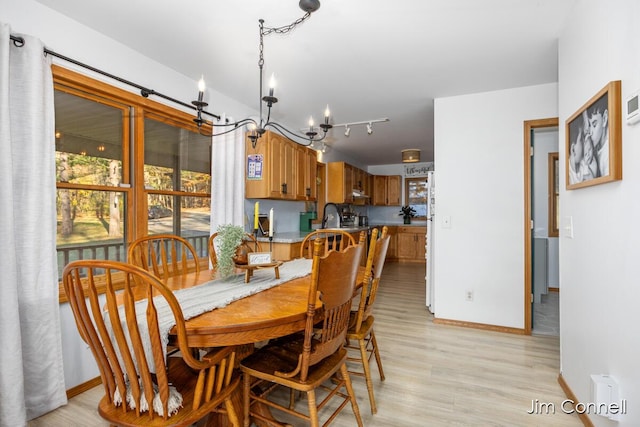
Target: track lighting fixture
{"x":369,"y":123}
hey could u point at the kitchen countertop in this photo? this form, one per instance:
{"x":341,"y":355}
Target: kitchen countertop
{"x":400,"y":224}
{"x":298,"y":236}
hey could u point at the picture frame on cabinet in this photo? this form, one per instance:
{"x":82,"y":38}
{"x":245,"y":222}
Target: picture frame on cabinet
{"x":593,"y":148}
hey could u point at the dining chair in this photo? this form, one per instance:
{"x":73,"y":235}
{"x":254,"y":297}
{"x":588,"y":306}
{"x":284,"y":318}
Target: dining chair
{"x":361,"y":321}
{"x":317,"y":358}
{"x":333,"y":240}
{"x":164,"y":255}
{"x":249,"y":242}
{"x":141,"y":386}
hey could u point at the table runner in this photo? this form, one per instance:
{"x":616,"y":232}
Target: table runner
{"x":206,"y":297}
{"x":213,"y":294}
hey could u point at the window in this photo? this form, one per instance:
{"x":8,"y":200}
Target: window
{"x":126,"y":166}
{"x":415,"y":195}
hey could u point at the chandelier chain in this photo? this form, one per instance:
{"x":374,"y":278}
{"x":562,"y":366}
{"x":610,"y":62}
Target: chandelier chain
{"x":285,"y":28}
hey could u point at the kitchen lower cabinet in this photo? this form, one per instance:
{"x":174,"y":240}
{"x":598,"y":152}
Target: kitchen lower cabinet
{"x":410,"y":244}
{"x":283,"y":251}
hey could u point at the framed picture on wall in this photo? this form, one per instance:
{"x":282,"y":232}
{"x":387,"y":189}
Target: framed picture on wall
{"x":594,"y":140}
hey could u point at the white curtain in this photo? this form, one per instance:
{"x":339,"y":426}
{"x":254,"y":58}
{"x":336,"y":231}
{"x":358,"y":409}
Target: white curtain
{"x":31,"y":373}
{"x":227,"y":178}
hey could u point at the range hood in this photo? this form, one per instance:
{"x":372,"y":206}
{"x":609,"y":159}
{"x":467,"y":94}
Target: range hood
{"x":357,"y":194}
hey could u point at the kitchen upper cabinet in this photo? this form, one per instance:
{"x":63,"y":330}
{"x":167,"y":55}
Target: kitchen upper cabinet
{"x":410,"y":244}
{"x":387,"y":190}
{"x":286,"y":169}
{"x":343,"y":179}
{"x":339,"y":182}
{"x":306,"y":165}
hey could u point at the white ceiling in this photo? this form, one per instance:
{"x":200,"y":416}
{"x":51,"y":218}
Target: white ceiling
{"x":367,"y":59}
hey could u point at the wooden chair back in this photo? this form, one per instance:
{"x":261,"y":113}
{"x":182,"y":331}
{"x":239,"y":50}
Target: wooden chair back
{"x":164,"y":255}
{"x":333,"y":278}
{"x":112,"y":329}
{"x":249,"y":241}
{"x":378,"y":247}
{"x":336,"y":240}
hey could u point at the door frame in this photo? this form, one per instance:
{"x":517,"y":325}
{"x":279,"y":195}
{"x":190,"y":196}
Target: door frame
{"x":529,"y":126}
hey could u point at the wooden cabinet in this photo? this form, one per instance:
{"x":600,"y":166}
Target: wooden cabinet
{"x":339,"y":182}
{"x":288,"y":170}
{"x":387,"y":190}
{"x":306,"y":165}
{"x":342,"y":179}
{"x":284,"y":251}
{"x":410,"y":244}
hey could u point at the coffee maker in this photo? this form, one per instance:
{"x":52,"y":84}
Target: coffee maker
{"x":305,"y":221}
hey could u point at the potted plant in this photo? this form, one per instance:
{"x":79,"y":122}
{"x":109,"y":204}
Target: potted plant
{"x":407,"y":212}
{"x":229,"y":238}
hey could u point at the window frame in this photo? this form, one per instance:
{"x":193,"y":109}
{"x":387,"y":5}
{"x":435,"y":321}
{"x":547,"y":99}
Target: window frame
{"x":134,"y":109}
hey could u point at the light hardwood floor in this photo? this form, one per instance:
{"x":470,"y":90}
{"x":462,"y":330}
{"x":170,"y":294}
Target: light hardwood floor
{"x":436,"y":375}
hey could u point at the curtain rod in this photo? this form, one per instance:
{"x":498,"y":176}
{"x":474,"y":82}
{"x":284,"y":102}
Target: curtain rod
{"x":145,"y":92}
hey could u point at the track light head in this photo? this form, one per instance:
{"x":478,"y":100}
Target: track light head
{"x":347,"y":131}
{"x":369,"y":128}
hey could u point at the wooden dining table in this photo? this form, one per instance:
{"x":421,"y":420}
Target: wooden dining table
{"x":273,"y":313}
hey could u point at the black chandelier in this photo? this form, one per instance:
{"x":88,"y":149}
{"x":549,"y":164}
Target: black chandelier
{"x":256,"y":128}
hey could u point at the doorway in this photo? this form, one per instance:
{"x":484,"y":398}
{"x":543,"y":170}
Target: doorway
{"x":540,"y":251}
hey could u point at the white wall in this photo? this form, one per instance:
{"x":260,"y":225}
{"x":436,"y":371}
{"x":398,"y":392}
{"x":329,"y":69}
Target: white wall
{"x":479,"y":170}
{"x":599,"y":313}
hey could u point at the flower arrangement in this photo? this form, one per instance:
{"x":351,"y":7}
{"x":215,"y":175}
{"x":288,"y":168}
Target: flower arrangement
{"x":229,"y":238}
{"x":407,"y":212}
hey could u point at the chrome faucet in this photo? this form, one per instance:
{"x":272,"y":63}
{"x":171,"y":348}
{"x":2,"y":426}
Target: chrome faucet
{"x":332,"y":219}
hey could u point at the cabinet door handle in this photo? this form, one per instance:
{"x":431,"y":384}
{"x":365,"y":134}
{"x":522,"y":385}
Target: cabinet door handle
{"x":284,"y":188}
{"x":308,"y":192}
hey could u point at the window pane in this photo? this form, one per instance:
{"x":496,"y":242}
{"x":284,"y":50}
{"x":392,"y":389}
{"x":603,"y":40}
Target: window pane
{"x":195,"y":220}
{"x":176,"y":159}
{"x":188,"y":217}
{"x":416,"y":196}
{"x":90,"y":225}
{"x":88,"y":141}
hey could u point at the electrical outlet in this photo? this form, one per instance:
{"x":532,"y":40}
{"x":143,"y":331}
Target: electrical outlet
{"x":468,"y":295}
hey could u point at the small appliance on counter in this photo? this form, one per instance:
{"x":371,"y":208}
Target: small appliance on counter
{"x":348,"y":219}
{"x":363,"y":221}
{"x":305,"y":220}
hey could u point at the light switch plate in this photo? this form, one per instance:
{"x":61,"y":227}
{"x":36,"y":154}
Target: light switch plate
{"x":567,"y":226}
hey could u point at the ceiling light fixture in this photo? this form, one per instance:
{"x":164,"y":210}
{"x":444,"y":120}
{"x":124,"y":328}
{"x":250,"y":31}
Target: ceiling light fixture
{"x":369,"y":123}
{"x":410,"y":155}
{"x":256,"y":128}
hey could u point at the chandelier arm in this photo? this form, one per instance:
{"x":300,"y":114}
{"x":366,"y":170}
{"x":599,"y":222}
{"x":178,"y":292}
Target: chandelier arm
{"x":290,"y":135}
{"x":236,"y":126}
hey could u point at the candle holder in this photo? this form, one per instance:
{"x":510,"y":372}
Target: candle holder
{"x":255,"y":235}
{"x":271,"y":244}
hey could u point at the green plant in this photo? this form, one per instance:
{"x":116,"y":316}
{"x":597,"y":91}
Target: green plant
{"x":407,"y":211}
{"x":229,"y":238}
